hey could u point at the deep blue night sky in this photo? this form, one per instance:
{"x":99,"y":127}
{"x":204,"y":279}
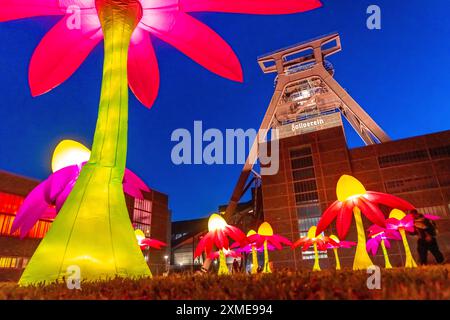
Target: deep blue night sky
{"x":398,"y":74}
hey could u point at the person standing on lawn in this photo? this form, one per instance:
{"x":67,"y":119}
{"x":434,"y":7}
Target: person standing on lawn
{"x":426,"y":231}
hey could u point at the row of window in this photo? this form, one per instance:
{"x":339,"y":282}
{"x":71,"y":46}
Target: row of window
{"x":13,"y":262}
{"x":413,"y":156}
{"x":411,"y":184}
{"x":38,"y":231}
{"x":10,"y":203}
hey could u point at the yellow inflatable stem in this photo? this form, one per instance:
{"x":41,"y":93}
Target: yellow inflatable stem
{"x":223,"y":268}
{"x":254,"y":260}
{"x":93,"y":231}
{"x":399,"y":215}
{"x":316,"y":266}
{"x":254,"y":254}
{"x":362,"y":260}
{"x":266,"y":259}
{"x":386,"y":257}
{"x":336,"y":256}
{"x":410,"y":263}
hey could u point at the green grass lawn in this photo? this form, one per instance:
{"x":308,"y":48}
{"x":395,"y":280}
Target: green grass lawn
{"x":422,"y":283}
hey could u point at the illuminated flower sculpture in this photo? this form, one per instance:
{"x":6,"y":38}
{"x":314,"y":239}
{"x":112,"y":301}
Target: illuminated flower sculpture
{"x":335,"y":245}
{"x":146,"y":243}
{"x":253,"y":249}
{"x":46,"y":200}
{"x":352,"y":200}
{"x":264,"y":238}
{"x":218,"y":233}
{"x":380,"y":237}
{"x":402,"y":223}
{"x":97,"y":201}
{"x":318,"y":242}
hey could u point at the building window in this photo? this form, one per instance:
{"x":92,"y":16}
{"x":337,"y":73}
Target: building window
{"x":402,"y":158}
{"x":411,"y":184}
{"x":434,"y":210}
{"x":440,"y":152}
{"x":142,"y":215}
{"x":303,"y":174}
{"x":303,"y":226}
{"x":10,"y":203}
{"x":309,"y":211}
{"x":13,"y":262}
{"x":38,"y":231}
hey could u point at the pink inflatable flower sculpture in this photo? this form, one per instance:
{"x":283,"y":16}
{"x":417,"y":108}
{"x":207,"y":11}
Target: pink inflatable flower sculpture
{"x":71,"y":40}
{"x":319,"y":242}
{"x":379,"y":237}
{"x":46,"y":200}
{"x":265,"y":237}
{"x":403,"y":223}
{"x":337,"y":244}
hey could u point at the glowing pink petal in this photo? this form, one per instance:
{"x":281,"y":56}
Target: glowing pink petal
{"x":250,"y":6}
{"x":195,"y":40}
{"x":60,"y":179}
{"x":18,"y":9}
{"x":143,"y":72}
{"x":431,"y":217}
{"x":62,"y":197}
{"x":32,"y":209}
{"x":372,"y":245}
{"x":61,"y":52}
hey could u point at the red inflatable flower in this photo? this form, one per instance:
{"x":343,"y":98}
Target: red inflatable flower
{"x":352,"y":200}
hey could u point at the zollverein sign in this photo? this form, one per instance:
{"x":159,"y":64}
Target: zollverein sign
{"x":309,"y":125}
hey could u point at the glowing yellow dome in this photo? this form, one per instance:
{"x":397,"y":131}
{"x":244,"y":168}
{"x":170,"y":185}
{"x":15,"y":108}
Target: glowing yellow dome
{"x":251,"y":232}
{"x":68,"y":153}
{"x":348,"y":187}
{"x":265,"y":229}
{"x":335,"y":238}
{"x":397,"y":214}
{"x":216,"y":222}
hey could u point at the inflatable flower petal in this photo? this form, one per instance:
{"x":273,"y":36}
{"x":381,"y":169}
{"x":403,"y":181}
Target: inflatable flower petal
{"x":67,"y":45}
{"x":50,"y":195}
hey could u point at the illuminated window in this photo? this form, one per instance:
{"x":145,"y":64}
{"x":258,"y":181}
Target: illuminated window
{"x":305,"y":185}
{"x":303,"y":226}
{"x":10,"y":203}
{"x":434,"y":210}
{"x":38,"y":231}
{"x":142,"y":215}
{"x":13,"y":262}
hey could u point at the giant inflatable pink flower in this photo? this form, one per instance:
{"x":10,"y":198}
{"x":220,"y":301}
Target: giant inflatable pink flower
{"x":67,"y":45}
{"x":45,"y":201}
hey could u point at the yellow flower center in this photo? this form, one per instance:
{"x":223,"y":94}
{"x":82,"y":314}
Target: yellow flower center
{"x":397,"y":214}
{"x":349,"y":187}
{"x":265,"y":229}
{"x":216,"y":222}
